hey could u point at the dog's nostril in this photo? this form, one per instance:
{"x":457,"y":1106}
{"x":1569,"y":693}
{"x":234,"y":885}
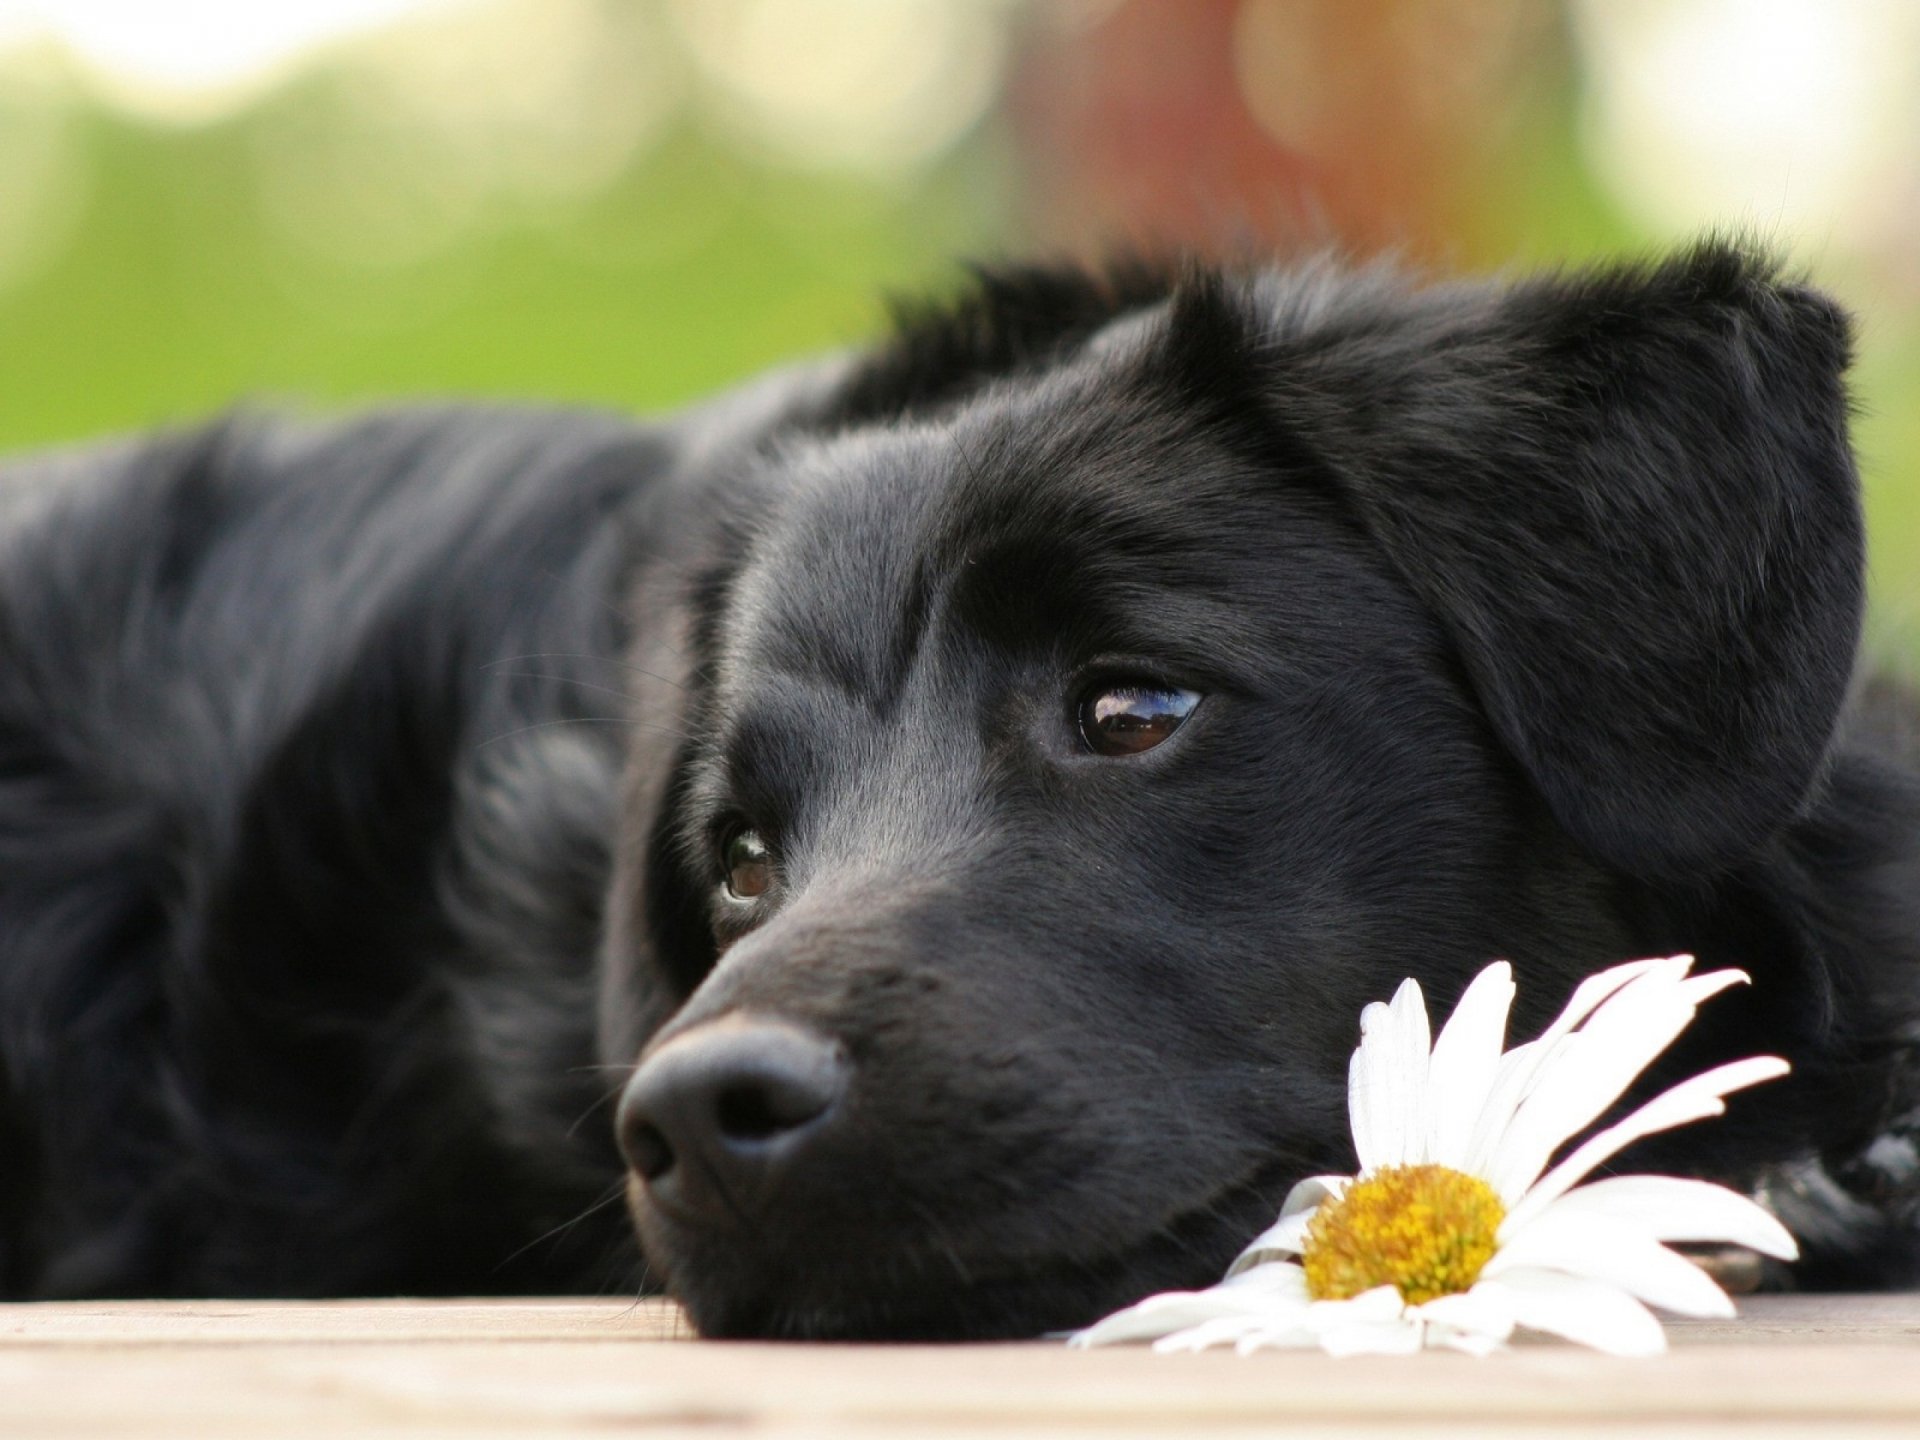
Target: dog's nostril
{"x":761,"y":1111}
{"x":647,"y":1151}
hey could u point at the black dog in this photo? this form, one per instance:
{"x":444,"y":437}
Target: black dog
{"x":982,"y":781}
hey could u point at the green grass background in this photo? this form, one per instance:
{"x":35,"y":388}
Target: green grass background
{"x":168,"y":292}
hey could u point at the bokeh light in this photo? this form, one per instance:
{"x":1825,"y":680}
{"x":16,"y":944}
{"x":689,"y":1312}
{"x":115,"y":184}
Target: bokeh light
{"x":190,"y":60}
{"x":868,"y":85}
{"x":1793,"y":115}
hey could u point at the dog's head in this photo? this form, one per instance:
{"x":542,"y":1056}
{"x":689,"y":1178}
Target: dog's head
{"x":1099,"y":697}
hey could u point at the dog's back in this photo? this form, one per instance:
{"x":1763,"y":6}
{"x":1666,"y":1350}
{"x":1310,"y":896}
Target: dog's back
{"x":306,"y":761}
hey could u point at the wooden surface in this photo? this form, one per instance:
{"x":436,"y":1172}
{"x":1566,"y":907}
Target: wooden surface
{"x":1807,"y":1365}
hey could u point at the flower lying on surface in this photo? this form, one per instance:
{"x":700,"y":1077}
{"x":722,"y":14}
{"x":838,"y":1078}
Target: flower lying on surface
{"x":1456,"y":1231}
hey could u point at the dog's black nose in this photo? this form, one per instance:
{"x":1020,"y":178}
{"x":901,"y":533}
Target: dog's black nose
{"x":713,"y":1118}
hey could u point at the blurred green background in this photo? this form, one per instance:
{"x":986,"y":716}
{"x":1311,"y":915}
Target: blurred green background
{"x":630,"y":202}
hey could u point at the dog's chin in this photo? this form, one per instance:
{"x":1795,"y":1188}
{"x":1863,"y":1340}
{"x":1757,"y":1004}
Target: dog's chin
{"x":920,"y":1298}
{"x":737,"y":1287}
{"x":938,"y":1309}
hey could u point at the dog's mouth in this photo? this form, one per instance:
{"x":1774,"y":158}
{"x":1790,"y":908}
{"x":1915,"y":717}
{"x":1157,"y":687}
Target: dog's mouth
{"x":916,"y":1285}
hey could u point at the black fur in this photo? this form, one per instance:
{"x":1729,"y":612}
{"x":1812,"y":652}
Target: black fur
{"x":362,"y":787}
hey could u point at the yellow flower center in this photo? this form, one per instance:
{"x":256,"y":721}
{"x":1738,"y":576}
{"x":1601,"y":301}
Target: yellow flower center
{"x":1424,"y":1229}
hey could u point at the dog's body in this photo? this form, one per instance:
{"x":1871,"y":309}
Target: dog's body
{"x":372,"y":795}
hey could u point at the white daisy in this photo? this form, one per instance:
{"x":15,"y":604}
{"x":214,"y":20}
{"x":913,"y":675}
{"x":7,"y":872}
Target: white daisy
{"x":1456,"y":1230}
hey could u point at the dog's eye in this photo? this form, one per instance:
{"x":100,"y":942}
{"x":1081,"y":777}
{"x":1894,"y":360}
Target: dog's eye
{"x":1127,"y":719}
{"x":749,"y":866}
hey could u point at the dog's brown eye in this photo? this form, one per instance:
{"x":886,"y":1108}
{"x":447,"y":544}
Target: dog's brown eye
{"x":1127,"y":719}
{"x":749,"y":866}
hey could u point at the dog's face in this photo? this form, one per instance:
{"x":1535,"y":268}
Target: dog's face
{"x":1047,"y":779}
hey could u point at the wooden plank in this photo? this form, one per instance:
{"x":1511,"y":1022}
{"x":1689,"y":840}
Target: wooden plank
{"x":1807,"y":1319}
{"x":537,"y":1389}
{"x":1835,"y":1366}
{"x":1803,"y":1319}
{"x":255,"y":1322}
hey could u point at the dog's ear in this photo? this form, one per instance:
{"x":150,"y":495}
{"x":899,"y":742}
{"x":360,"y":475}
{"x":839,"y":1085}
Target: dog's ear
{"x":1629,"y":498}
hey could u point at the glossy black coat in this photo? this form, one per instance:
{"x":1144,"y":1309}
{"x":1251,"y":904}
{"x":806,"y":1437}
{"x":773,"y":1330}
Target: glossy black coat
{"x":365,"y":789}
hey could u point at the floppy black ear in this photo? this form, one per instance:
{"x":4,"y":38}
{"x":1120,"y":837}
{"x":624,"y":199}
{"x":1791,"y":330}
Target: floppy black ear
{"x":1630,"y":499}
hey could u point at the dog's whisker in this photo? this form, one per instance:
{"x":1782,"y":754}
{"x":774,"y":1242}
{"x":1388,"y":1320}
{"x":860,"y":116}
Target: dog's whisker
{"x":566,"y":680}
{"x":938,"y":1234}
{"x":586,"y":655}
{"x":584,"y":720}
{"x":635,"y":622}
{"x":612,"y":1193}
{"x":594,"y":1108}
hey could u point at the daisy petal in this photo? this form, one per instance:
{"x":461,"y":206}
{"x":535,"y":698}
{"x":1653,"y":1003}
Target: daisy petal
{"x":1480,"y":1312}
{"x":1615,"y":1252}
{"x":1267,"y":1293}
{"x":1278,"y":1337}
{"x":1245,"y":1333}
{"x":1465,"y":1061}
{"x":1414,"y":1043}
{"x":1594,"y":991}
{"x":1469,"y":1342}
{"x":1308,"y":1194}
{"x":1366,"y":1087}
{"x":1619,"y":1040}
{"x":1149,"y":1322}
{"x":1373,"y":1322}
{"x":1512,"y":1082}
{"x":1387,"y":1079}
{"x":1283,"y":1236}
{"x":1578,"y":1309}
{"x":1222,"y":1330}
{"x":1671,"y":1209}
{"x":1699,"y":1098}
{"x":1522,"y":1067}
{"x":1377,"y":1306}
